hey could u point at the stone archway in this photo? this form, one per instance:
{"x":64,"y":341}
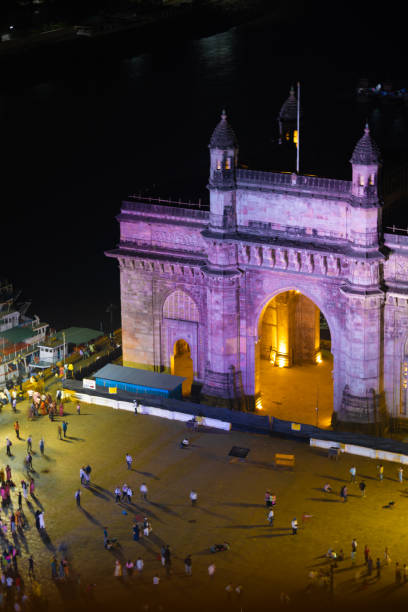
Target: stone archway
{"x":180,"y":323}
{"x":182,"y":364}
{"x":293,"y":364}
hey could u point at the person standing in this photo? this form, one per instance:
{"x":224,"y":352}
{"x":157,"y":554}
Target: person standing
{"x":353,"y":473}
{"x":42,"y":445}
{"x":8,"y":447}
{"x":400,"y":474}
{"x":129,"y":494}
{"x":353,"y":550}
{"x":344,"y":493}
{"x":136,"y":531}
{"x":143,"y":491}
{"x":167,"y":560}
{"x":105,"y":537}
{"x":124,"y":492}
{"x":295,"y":525}
{"x":378,"y":568}
{"x":366,"y":554}
{"x":362,"y":487}
{"x":188,"y":565}
{"x":380,"y":471}
{"x":64,"y":428}
{"x":59,"y":432}
{"x":118,"y":569}
{"x":29,"y":444}
{"x":211,"y":570}
{"x":78,"y":497}
{"x":397,"y":573}
{"x":117,"y":494}
{"x":129,"y":461}
{"x":387,"y":558}
{"x":139,"y":565}
{"x":14,"y":404}
{"x":369,"y":566}
{"x":78,"y":408}
{"x":270,"y":517}
{"x":193,"y":497}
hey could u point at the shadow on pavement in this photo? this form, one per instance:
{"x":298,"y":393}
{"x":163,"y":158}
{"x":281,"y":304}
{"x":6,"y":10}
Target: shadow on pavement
{"x":90,"y":517}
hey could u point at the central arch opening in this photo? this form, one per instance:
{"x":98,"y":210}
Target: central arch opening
{"x":182,"y":364}
{"x":294,"y":364}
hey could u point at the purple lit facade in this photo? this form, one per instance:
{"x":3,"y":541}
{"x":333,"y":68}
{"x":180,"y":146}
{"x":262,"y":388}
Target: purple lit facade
{"x":208,"y":277}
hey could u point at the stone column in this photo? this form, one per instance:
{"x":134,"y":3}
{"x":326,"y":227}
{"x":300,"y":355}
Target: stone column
{"x":221,"y":377}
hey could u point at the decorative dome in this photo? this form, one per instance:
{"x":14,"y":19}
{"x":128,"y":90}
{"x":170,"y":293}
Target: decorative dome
{"x":288,"y":112}
{"x":366,"y":151}
{"x":223,"y":136}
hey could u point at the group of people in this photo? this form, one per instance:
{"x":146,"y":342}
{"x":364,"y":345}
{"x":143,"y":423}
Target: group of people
{"x":43,"y":404}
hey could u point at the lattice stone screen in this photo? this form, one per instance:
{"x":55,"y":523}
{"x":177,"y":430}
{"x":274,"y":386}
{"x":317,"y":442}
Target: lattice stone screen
{"x":180,"y":306}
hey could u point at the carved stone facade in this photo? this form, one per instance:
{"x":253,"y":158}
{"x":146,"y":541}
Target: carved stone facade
{"x":208,"y":276}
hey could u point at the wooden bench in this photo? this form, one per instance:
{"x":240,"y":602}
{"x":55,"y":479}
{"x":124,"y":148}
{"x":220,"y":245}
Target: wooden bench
{"x":285,"y":460}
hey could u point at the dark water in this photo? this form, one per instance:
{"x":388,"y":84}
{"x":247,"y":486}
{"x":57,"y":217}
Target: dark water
{"x":90,"y":134}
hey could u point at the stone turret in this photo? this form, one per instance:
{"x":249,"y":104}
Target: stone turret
{"x":222,"y":184}
{"x":366,"y":162}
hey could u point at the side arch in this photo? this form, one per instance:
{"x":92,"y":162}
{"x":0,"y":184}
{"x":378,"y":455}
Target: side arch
{"x":180,"y":321}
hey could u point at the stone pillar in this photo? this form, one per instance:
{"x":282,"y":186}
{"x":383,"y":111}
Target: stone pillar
{"x":363,"y":357}
{"x":221,"y":377}
{"x":306,"y":339}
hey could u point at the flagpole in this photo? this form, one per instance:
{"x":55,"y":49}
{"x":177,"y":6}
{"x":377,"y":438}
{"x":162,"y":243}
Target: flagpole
{"x":298,"y":128}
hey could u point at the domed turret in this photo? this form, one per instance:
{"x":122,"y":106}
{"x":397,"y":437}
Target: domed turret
{"x":365,"y":161}
{"x":224,"y":155}
{"x":223,"y":137}
{"x":287,"y":119}
{"x":366,"y":151}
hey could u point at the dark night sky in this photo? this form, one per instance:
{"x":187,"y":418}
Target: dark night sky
{"x":80,"y":133}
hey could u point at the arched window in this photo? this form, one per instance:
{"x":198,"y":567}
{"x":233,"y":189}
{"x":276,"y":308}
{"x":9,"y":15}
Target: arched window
{"x":228,"y":164}
{"x":180,"y":306}
{"x":372,"y":179}
{"x":218,"y":164}
{"x":361,"y":180}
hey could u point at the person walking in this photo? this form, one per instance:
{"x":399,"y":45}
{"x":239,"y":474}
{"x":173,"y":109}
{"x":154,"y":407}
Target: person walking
{"x":295,"y":525}
{"x":362,"y":487}
{"x":64,"y":428}
{"x":129,"y":461}
{"x":353,"y":473}
{"x":193,"y":497}
{"x":42,"y":445}
{"x":17,"y":429}
{"x":78,"y":497}
{"x":380,"y":472}
{"x":143,"y":491}
{"x":270,"y":517}
{"x":400,"y":474}
{"x":387,"y":558}
{"x":129,"y":494}
{"x":378,"y":568}
{"x":188,"y":565}
{"x":9,"y":444}
{"x":31,"y":573}
{"x":59,"y":432}
{"x":211,"y":570}
{"x":369,"y":566}
{"x":139,"y":565}
{"x":353,"y":550}
{"x":117,"y":494}
{"x":29,"y":444}
{"x":124,"y":492}
{"x":78,"y":408}
{"x":117,"y":572}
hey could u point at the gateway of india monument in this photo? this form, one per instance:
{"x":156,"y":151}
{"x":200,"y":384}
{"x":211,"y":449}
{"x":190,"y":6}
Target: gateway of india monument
{"x":245,"y":279}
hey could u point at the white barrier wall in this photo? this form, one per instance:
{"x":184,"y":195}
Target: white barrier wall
{"x":149,"y":410}
{"x":363,"y":451}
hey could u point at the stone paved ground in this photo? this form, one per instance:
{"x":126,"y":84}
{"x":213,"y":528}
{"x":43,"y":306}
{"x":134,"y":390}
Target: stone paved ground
{"x":291,"y":393}
{"x":266,"y":561}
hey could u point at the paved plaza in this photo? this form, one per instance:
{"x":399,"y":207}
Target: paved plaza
{"x":265,"y":560}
